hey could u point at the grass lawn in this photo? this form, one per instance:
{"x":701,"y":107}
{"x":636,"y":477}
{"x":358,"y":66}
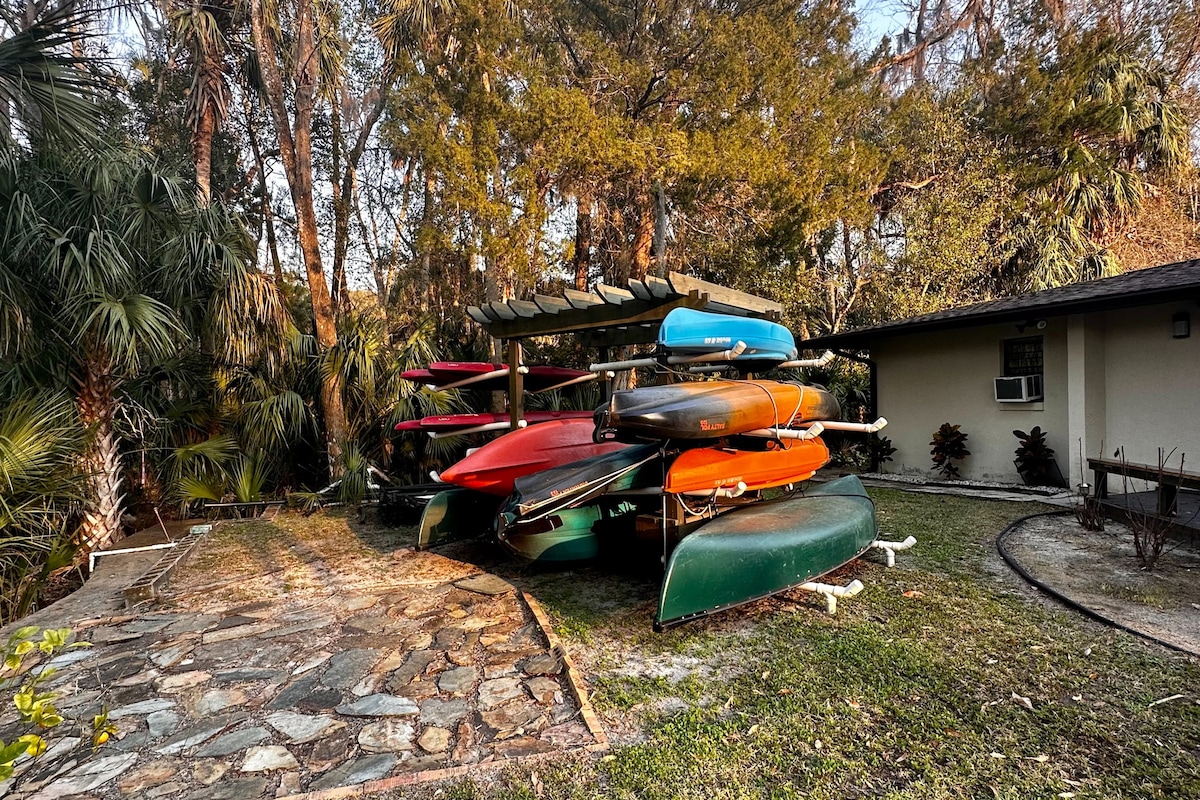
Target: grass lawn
{"x":907,"y":693}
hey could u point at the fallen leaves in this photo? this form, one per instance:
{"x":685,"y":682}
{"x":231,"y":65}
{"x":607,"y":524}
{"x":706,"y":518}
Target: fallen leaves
{"x":1022,"y":701}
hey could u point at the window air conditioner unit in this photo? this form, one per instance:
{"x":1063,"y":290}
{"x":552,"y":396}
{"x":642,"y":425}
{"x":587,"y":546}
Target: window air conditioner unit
{"x":1019,"y":389}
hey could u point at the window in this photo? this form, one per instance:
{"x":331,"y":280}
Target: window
{"x":1023,"y":356}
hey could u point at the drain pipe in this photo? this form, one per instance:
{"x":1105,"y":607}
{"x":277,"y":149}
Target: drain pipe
{"x":891,"y":548}
{"x":832,"y":592}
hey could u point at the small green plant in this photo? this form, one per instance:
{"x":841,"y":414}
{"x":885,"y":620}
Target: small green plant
{"x":1035,"y":459}
{"x":882,"y":450}
{"x":34,"y":705}
{"x":949,"y":445}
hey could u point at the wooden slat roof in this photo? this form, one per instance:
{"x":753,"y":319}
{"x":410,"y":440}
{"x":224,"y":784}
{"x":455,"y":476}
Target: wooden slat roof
{"x":613,"y":316}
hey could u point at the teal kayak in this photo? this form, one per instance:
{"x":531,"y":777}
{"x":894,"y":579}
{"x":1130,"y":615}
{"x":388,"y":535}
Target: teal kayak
{"x":572,"y":534}
{"x":766,"y":548}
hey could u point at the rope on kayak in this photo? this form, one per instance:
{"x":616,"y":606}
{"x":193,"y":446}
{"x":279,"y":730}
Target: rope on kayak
{"x":1067,"y":601}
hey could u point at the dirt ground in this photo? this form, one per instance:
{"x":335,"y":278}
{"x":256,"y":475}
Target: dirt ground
{"x":1101,"y":571}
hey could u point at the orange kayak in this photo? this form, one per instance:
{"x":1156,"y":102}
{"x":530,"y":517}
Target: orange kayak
{"x":707,"y":468}
{"x":713,"y":409}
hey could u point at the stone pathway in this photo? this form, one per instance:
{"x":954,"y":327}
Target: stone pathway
{"x":325,"y":686}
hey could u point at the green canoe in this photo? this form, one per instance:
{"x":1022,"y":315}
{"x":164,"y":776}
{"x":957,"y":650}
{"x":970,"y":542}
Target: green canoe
{"x":765,"y":548}
{"x":457,"y":514}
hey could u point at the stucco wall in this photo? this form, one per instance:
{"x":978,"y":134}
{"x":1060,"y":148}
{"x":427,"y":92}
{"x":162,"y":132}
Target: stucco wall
{"x":928,"y":379}
{"x":1152,"y":383}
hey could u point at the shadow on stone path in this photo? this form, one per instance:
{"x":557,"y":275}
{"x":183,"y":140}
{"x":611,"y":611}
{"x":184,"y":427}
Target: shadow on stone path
{"x":339,"y":673}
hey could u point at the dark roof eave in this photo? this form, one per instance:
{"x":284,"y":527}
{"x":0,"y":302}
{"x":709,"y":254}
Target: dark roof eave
{"x":862,"y":338}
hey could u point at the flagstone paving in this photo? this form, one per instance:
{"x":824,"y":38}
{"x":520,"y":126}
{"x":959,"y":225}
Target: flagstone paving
{"x":307,"y":678}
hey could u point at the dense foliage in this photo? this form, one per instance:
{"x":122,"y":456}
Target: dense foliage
{"x":222,"y":245}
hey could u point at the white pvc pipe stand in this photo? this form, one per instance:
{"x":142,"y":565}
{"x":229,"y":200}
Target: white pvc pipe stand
{"x":832,"y":592}
{"x":891,"y":548}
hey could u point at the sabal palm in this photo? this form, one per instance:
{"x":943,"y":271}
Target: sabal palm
{"x":203,"y":28}
{"x":108,"y":266}
{"x":43,"y":88}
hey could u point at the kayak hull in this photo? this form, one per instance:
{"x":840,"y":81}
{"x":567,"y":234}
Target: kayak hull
{"x":705,"y":469}
{"x":569,"y":535}
{"x":456,"y":514}
{"x":713,"y":409}
{"x":686,"y":331}
{"x":764,"y":549}
{"x":494,"y":467}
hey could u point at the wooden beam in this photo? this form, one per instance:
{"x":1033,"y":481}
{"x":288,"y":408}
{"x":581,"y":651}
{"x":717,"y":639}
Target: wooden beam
{"x":730,"y":300}
{"x":551,"y":305}
{"x":639,"y":289}
{"x":631,"y":313}
{"x":612,"y":294}
{"x":658,"y":287}
{"x":620,"y":337}
{"x":476,"y":313}
{"x":581,"y":300}
{"x":502,"y":310}
{"x":524,"y":308}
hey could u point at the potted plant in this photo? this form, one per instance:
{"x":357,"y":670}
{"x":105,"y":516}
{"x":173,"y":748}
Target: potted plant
{"x":1035,"y":459}
{"x":949,"y":445}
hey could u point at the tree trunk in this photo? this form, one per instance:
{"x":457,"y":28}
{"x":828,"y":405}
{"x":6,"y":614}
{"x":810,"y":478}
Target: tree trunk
{"x":643,"y":237}
{"x":102,"y":515}
{"x":583,"y":239}
{"x":295,"y":150}
{"x":202,"y":139}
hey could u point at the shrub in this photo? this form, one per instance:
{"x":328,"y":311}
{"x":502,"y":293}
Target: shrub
{"x":949,"y":445}
{"x":1035,"y":460}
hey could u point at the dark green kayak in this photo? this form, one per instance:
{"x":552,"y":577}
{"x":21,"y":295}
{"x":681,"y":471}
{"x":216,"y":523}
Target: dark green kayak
{"x":765,"y":548}
{"x":565,"y":536}
{"x":457,"y":514}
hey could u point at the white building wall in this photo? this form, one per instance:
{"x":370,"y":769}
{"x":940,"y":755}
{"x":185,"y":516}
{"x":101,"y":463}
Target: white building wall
{"x":928,"y":379}
{"x":1152,"y":383}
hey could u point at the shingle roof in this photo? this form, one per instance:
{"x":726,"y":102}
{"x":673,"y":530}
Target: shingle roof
{"x":1162,"y":284}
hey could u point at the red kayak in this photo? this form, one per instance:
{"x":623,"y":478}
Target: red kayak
{"x":493,"y":467}
{"x":453,"y":422}
{"x":480,"y":374}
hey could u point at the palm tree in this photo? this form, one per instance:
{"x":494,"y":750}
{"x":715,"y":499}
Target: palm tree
{"x":202,"y":29}
{"x":116,"y":268}
{"x":44,"y":89}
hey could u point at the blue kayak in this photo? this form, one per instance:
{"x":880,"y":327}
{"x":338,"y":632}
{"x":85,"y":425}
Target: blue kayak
{"x":688,"y":332}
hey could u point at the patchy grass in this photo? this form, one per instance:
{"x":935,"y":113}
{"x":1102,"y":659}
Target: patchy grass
{"x":921,"y":687}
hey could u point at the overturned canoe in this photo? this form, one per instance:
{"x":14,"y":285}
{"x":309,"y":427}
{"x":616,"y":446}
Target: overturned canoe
{"x":706,"y":469}
{"x":685,"y":331}
{"x":494,"y":467}
{"x":712,"y":409}
{"x":766,"y":548}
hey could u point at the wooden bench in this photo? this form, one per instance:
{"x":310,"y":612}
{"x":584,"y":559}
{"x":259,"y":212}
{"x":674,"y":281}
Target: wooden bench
{"x":1169,"y":481}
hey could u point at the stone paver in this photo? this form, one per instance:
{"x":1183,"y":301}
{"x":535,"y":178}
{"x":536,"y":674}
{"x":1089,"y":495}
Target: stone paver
{"x":283,"y":692}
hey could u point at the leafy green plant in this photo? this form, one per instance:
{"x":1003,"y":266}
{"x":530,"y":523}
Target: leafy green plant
{"x":1035,"y":459}
{"x":34,"y":704}
{"x":949,"y":445}
{"x":882,"y":450}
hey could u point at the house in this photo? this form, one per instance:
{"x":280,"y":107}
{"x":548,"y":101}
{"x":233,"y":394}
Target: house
{"x":1100,"y":365}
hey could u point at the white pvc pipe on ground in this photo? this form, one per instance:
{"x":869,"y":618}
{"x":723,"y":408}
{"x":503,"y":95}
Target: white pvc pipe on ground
{"x":93,"y":556}
{"x":832,"y":592}
{"x":891,"y":548}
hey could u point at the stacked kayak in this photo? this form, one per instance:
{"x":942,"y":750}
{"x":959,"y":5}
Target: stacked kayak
{"x":457,"y":423}
{"x":686,"y":332}
{"x":712,"y":409}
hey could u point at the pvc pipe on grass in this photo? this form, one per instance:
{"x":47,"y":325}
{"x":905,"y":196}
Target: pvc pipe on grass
{"x":891,"y":548}
{"x":832,"y":592}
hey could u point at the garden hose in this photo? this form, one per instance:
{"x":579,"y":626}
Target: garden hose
{"x":1064,"y":599}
